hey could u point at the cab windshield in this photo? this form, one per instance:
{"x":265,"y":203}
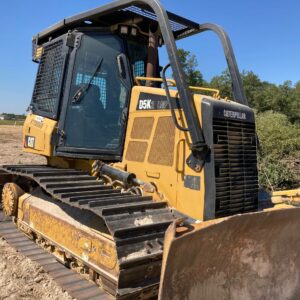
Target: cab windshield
{"x":98,"y":97}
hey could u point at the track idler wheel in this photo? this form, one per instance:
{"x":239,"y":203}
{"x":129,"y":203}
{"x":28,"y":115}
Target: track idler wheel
{"x":10,"y":196}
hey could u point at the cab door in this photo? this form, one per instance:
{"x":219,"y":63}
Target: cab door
{"x":94,"y":113}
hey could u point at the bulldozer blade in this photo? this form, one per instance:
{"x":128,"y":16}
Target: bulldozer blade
{"x":250,"y":256}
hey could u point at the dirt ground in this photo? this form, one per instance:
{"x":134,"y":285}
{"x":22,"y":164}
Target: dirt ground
{"x":11,"y":147}
{"x":20,"y":278}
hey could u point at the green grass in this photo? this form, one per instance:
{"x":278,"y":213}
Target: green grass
{"x":11,"y":122}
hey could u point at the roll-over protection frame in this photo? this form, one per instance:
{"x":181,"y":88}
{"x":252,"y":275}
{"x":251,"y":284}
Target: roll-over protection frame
{"x":172,"y":27}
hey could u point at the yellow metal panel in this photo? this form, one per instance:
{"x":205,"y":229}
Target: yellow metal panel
{"x":289,"y":196}
{"x":64,"y":162}
{"x":190,"y":201}
{"x":288,"y":193}
{"x":38,"y":53}
{"x":40,"y":129}
{"x":166,"y":171}
{"x":70,"y":234}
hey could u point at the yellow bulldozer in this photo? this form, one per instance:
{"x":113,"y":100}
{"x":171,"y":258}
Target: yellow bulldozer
{"x":151,"y":185}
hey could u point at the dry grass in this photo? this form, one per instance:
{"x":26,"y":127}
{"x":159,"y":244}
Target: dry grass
{"x":11,"y":122}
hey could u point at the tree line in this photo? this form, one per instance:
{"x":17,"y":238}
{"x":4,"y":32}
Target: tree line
{"x":6,"y":116}
{"x":277,"y":109}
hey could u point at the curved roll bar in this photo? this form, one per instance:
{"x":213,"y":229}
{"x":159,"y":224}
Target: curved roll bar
{"x":193,"y":124}
{"x":188,"y":107}
{"x":237,"y":84}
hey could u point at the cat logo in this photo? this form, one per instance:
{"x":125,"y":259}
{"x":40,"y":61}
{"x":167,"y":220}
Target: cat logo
{"x":29,"y":141}
{"x":145,"y":104}
{"x":234,"y":114}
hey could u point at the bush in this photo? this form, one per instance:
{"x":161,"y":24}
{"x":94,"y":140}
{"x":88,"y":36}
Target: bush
{"x":279,"y":153}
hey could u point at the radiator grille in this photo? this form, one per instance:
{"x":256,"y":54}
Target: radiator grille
{"x":136,"y":151}
{"x":46,"y":90}
{"x":142,"y":128}
{"x":235,"y":167}
{"x":162,"y":148}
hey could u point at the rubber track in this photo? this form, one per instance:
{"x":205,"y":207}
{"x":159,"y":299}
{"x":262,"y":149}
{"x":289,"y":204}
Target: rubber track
{"x":137,"y":223}
{"x":77,"y":287}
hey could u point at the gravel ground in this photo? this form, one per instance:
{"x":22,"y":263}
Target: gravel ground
{"x":20,"y":278}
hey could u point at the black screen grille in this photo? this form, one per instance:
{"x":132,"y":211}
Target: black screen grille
{"x":46,"y":91}
{"x":235,"y":167}
{"x":175,"y":26}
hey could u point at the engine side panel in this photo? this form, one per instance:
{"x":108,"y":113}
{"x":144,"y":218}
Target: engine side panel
{"x":156,"y":151}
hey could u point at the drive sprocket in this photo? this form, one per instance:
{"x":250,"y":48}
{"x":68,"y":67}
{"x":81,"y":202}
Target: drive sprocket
{"x":10,"y":196}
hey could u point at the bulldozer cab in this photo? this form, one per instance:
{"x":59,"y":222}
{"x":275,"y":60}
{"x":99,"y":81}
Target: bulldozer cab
{"x":89,"y":63}
{"x":96,"y":78}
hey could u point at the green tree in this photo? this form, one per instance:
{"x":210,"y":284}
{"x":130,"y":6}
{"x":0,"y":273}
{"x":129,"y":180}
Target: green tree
{"x":288,"y":101}
{"x":223,"y":84}
{"x":190,"y":64}
{"x":297,"y":88}
{"x":254,"y":88}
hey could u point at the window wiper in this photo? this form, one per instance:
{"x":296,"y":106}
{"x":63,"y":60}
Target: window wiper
{"x":83,"y":89}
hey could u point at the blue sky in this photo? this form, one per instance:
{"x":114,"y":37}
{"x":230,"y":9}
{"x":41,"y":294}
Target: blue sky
{"x":265,"y":37}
